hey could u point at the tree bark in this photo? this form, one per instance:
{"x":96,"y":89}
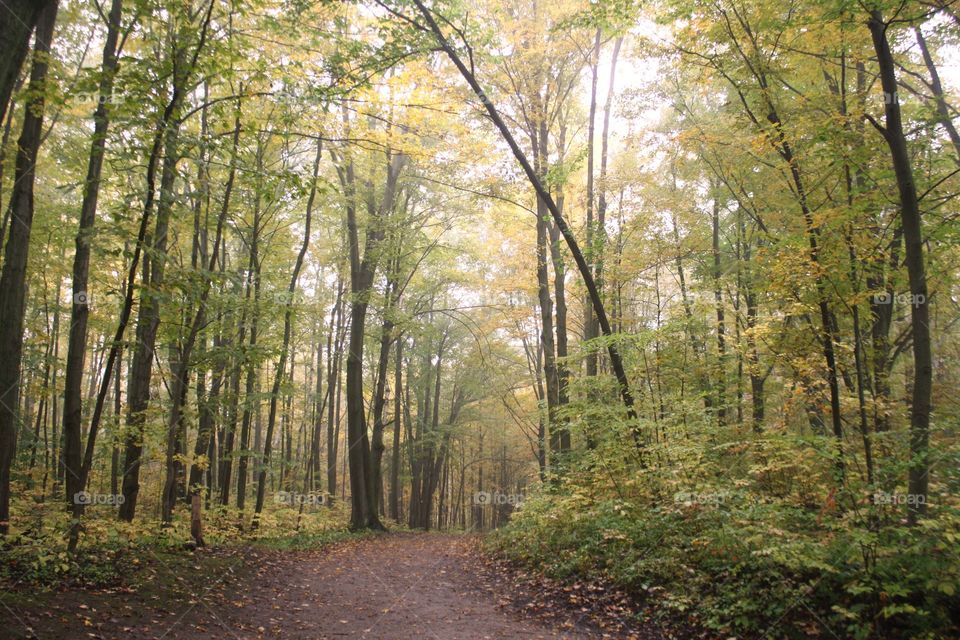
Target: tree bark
{"x":334,"y":359}
{"x":80,"y":310}
{"x":285,"y":347}
{"x":721,"y":382}
{"x":19,"y":21}
{"x":913,"y":241}
{"x":13,"y":281}
{"x":148,"y":322}
{"x":395,"y":452}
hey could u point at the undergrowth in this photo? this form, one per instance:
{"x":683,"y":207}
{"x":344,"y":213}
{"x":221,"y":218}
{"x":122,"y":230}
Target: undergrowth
{"x":745,"y":537}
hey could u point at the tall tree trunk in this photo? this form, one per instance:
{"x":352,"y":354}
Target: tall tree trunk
{"x":559,"y":291}
{"x":538,"y":138}
{"x":80,"y":310}
{"x":380,"y":384}
{"x":590,"y":329}
{"x":148,"y":322}
{"x":721,"y":383}
{"x":395,"y":452}
{"x":13,"y":281}
{"x":363,"y":495}
{"x":913,"y":241}
{"x":20,"y":18}
{"x":285,"y":347}
{"x":230,"y":434}
{"x":250,"y":362}
{"x":602,"y":186}
{"x":757,"y":380}
{"x":334,"y":358}
{"x":315,"y":481}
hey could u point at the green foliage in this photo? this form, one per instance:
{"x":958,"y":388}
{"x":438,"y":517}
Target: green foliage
{"x":745,"y":539}
{"x":112,"y":551}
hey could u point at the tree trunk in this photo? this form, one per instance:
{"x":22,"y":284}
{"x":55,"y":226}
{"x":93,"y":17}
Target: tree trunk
{"x":21,"y":16}
{"x":148,"y":322}
{"x":380,"y":384}
{"x":363,"y":494}
{"x":913,"y":241}
{"x":395,"y":452}
{"x":590,"y":329}
{"x":721,"y":388}
{"x":284,"y":349}
{"x":80,"y":310}
{"x":334,"y":358}
{"x":13,"y":281}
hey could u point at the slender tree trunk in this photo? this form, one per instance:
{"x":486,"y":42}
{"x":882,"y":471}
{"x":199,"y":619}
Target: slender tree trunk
{"x":936,"y":87}
{"x":114,"y":440}
{"x":334,"y":357}
{"x":148,"y":322}
{"x":590,"y":329}
{"x":560,"y":297}
{"x":251,"y":364}
{"x":600,"y":234}
{"x":757,"y":380}
{"x":380,"y":384}
{"x":285,"y":347}
{"x":230,"y":435}
{"x":721,"y":388}
{"x":80,"y":310}
{"x":547,"y":342}
{"x":919,"y":308}
{"x":313,"y":472}
{"x":395,"y":452}
{"x":13,"y":281}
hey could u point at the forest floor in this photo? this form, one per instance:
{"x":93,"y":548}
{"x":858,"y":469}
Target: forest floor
{"x":397,"y":586}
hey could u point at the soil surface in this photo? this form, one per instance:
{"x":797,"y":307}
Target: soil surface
{"x":397,"y":587}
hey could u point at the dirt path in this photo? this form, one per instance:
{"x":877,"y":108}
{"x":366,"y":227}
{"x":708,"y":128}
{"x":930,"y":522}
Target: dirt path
{"x":397,"y":587}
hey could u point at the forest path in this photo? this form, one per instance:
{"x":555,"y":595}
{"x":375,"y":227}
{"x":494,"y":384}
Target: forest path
{"x":396,"y":586}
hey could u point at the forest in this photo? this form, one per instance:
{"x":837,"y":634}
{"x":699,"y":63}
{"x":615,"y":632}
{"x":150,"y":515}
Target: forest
{"x":489,"y":319}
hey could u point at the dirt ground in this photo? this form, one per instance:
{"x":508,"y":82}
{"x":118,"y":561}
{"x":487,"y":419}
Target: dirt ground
{"x":397,"y":587}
